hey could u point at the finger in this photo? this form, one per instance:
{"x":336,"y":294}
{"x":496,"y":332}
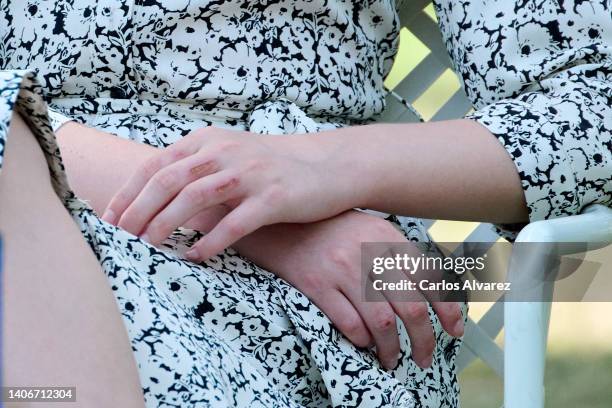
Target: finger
{"x":198,"y":196}
{"x":380,"y":320}
{"x":344,"y":317}
{"x":136,"y":182}
{"x":241,"y":221}
{"x":162,"y":188}
{"x":415,"y":316}
{"x":449,"y":313}
{"x":412,"y":309}
{"x":451,"y":319}
{"x":205,"y":220}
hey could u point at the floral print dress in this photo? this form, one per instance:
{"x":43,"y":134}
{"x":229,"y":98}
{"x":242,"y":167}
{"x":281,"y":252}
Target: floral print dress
{"x":225,"y":332}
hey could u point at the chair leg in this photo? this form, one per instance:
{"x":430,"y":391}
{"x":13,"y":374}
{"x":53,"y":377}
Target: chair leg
{"x":525,"y":335}
{"x":526,"y":318}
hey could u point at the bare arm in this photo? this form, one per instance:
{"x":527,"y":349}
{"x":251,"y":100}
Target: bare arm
{"x":442,"y":170}
{"x":445,"y":170}
{"x":98,"y":163}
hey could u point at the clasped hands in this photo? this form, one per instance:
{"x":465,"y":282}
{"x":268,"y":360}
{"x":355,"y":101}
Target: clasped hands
{"x":282,"y":202}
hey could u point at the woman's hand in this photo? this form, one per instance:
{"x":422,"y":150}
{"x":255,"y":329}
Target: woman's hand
{"x":236,"y":182}
{"x":261,"y":180}
{"x":413,"y":169}
{"x":323,"y":260}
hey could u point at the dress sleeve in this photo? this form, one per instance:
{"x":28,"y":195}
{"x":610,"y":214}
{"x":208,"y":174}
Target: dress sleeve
{"x":559,"y":135}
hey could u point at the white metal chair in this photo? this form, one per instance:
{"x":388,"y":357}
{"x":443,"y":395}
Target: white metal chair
{"x":521,"y":364}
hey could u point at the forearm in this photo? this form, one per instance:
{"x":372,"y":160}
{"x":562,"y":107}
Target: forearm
{"x":442,"y":170}
{"x":98,"y":163}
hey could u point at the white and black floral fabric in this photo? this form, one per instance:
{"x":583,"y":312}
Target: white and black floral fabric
{"x":540,"y":76}
{"x":225,"y":332}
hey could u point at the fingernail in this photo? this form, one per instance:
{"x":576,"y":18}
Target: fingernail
{"x":459,"y":328}
{"x":391,"y":363}
{"x":192,"y":255}
{"x":109,"y":216}
{"x":426,"y":362}
{"x":145,"y":237}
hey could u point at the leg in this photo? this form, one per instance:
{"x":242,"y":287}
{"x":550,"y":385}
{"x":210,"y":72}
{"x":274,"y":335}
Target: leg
{"x":61,"y":325}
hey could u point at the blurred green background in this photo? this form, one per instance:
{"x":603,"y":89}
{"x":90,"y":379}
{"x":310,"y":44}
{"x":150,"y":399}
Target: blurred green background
{"x":579,"y":361}
{"x":578,"y":367}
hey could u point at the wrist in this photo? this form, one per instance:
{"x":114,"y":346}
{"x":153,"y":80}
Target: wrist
{"x":339,"y":161}
{"x":355,"y":164}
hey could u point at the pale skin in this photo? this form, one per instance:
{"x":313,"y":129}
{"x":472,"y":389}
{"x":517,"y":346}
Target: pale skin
{"x":326,"y":252}
{"x":409,"y":169}
{"x":249,"y":191}
{"x":432,"y":170}
{"x":44,"y":341}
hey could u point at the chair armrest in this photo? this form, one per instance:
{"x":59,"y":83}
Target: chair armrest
{"x":526,"y":323}
{"x":594,"y":225}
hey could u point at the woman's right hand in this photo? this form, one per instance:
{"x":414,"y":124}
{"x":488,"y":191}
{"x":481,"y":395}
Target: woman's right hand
{"x":323,"y":261}
{"x":262,"y":179}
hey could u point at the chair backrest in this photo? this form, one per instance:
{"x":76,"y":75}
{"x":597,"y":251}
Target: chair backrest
{"x":418,"y":19}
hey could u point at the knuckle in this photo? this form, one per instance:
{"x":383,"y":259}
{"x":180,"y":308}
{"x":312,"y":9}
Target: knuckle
{"x":178,"y":153}
{"x":227,"y":185}
{"x":195,"y":194}
{"x":227,"y":145}
{"x":341,"y":258}
{"x":416,"y":311}
{"x":385,"y":321}
{"x":203,"y":169}
{"x":313,"y":282}
{"x":151,"y":165}
{"x":166,"y":180}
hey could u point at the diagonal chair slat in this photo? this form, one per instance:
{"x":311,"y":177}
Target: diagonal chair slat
{"x":428,"y":32}
{"x":408,"y":9}
{"x":420,"y":78}
{"x":457,"y":106}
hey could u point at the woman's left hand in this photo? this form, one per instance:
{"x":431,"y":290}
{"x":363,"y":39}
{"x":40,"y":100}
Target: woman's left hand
{"x":260,"y":179}
{"x":323,"y":260}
